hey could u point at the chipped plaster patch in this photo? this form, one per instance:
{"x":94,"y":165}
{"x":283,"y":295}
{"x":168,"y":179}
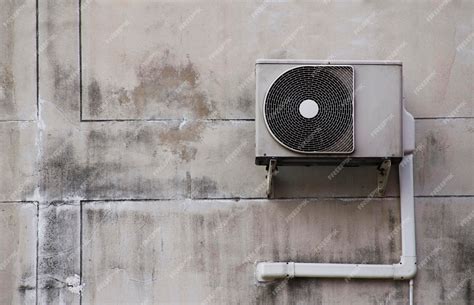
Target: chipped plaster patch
{"x":74,"y":284}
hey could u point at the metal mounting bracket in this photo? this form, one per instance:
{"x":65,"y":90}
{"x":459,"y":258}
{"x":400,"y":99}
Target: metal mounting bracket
{"x":271,"y":171}
{"x":383,"y":171}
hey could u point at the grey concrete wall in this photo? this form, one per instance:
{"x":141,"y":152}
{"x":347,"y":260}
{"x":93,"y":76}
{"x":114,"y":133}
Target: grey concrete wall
{"x":127,"y":146}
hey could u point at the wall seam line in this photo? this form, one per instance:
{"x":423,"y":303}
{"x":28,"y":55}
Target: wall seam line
{"x":265,"y":199}
{"x":37,"y":59}
{"x":223,"y":119}
{"x":37,"y":254}
{"x":80,"y":251}
{"x":37,"y":119}
{"x":80,"y":61}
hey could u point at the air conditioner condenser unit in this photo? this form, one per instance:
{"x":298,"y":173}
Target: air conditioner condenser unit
{"x":319,"y":112}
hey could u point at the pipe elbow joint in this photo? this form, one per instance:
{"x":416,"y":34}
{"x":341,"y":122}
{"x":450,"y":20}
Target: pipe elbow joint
{"x":274,"y":271}
{"x":406,"y":269}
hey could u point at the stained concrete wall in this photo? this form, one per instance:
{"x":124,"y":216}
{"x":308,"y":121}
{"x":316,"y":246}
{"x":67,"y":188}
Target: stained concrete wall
{"x":127,"y":144}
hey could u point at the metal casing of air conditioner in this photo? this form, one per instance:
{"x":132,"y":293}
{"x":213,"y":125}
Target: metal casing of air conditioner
{"x":367,"y":92}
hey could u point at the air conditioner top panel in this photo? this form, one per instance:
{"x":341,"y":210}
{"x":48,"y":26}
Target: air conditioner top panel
{"x":329,"y":62}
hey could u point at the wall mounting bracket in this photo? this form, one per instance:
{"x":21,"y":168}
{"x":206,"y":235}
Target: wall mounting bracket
{"x":271,"y":171}
{"x":383,"y":171}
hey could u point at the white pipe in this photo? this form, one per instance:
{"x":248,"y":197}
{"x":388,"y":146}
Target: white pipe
{"x":405,"y":269}
{"x":411,"y":292}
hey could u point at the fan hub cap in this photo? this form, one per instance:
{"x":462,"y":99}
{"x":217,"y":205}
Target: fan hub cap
{"x":309,"y":109}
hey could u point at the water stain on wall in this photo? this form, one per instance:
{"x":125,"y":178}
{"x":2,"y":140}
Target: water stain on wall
{"x":114,"y":177}
{"x":95,"y":98}
{"x":64,"y":176}
{"x":204,"y":187}
{"x":7,"y":91}
{"x":434,"y":154}
{"x":164,"y":90}
{"x":59,"y":223}
{"x":456,"y":243}
{"x":66,"y":84}
{"x":179,"y":139}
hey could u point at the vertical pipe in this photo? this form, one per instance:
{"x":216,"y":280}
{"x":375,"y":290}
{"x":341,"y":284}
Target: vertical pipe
{"x":407,"y":207}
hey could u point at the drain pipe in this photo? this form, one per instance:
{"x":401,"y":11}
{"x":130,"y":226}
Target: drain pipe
{"x":405,"y":269}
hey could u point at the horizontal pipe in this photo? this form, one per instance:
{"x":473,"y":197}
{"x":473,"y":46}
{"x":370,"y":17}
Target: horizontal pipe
{"x":406,"y":269}
{"x":344,"y":270}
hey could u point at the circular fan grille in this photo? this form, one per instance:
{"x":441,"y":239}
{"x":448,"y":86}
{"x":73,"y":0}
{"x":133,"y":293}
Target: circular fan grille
{"x":331,"y":129}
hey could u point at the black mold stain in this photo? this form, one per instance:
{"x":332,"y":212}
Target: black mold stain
{"x":193,"y":233}
{"x":66,"y":84}
{"x":97,"y":140}
{"x":7,"y":80}
{"x":392,"y":225}
{"x":293,"y":291}
{"x":462,"y":237}
{"x":308,"y":290}
{"x":146,"y":140}
{"x":436,"y":149}
{"x":94,"y":98}
{"x":433,"y":155}
{"x":204,"y":187}
{"x":62,"y":174}
{"x":368,"y":254}
{"x":95,"y":216}
{"x":13,"y":145}
{"x":59,"y":246}
{"x":141,"y":136}
{"x":468,"y":294}
{"x":457,"y":248}
{"x":189,"y":184}
{"x":7,"y":91}
{"x":465,"y":257}
{"x":245,"y":103}
{"x":393,"y":296}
